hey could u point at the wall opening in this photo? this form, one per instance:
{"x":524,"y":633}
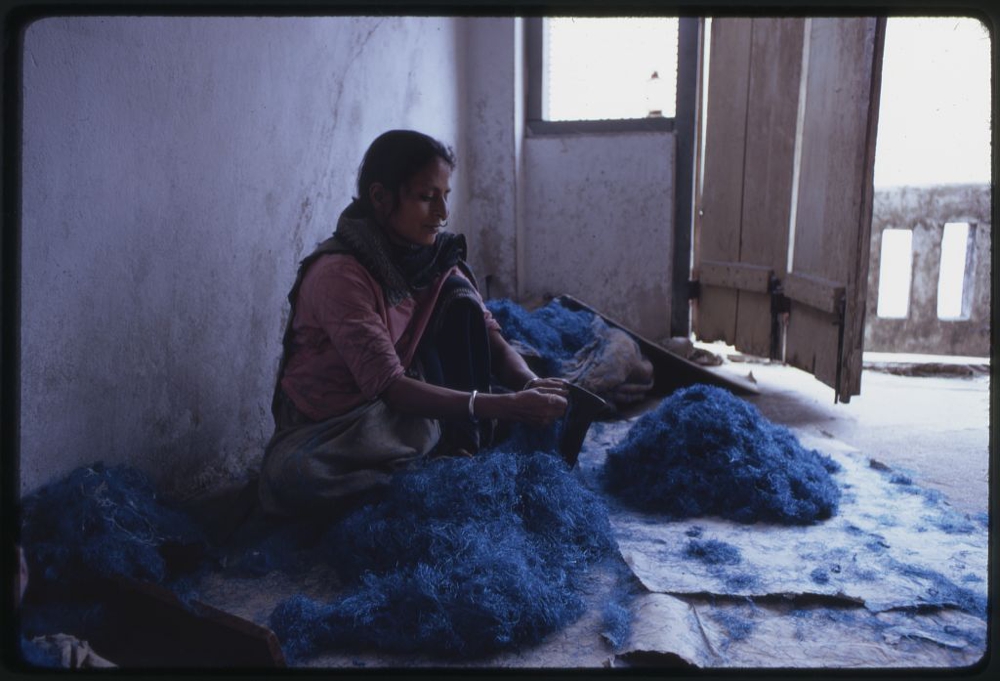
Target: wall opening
{"x":954,"y":293}
{"x":895,"y":273}
{"x":933,"y":171}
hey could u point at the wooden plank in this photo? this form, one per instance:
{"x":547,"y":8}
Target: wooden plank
{"x":854,"y":332}
{"x":805,"y":325}
{"x":775,"y":70}
{"x":718,"y":234}
{"x":150,"y":627}
{"x":822,"y":294}
{"x":833,"y":213}
{"x":670,"y":371}
{"x":735,"y":275}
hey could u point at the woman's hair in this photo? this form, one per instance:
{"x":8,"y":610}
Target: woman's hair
{"x":393,"y":158}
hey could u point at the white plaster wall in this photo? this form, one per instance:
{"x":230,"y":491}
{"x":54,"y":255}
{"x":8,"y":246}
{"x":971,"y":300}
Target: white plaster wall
{"x":493,"y":130}
{"x":174,"y":172}
{"x":599,"y":223}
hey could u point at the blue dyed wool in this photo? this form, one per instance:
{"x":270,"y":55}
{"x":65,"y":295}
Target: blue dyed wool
{"x":525,"y":439}
{"x":464,"y":557}
{"x":35,"y":655}
{"x":736,"y":625}
{"x":943,"y":591}
{"x":101,"y":522}
{"x":713,"y":552}
{"x":617,"y":624}
{"x":575,"y":327}
{"x":554,"y":331}
{"x":703,"y":451}
{"x":820,"y":575}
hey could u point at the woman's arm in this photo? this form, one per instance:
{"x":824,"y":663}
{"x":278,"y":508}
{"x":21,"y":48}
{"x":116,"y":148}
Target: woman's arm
{"x":538,"y":406}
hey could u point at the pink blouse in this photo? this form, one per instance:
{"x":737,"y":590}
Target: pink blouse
{"x":349,"y":344}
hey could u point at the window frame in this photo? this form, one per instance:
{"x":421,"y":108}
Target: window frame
{"x":537,"y":126}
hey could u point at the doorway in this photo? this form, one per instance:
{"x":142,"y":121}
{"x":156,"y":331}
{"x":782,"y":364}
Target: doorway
{"x":929,"y":280}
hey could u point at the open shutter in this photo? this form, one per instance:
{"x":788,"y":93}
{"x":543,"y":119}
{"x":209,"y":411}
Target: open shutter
{"x":784,"y":211}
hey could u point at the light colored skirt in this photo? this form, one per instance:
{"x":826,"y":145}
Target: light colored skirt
{"x":325,"y":466}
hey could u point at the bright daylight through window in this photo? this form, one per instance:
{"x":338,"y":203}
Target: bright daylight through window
{"x":609,"y":68}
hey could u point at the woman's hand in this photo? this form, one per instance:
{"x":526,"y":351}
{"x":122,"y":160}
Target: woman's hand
{"x":536,"y":406}
{"x":539,"y":405}
{"x":551,"y":385}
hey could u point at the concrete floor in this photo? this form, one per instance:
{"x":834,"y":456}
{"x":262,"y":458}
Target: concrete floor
{"x":934,"y":427}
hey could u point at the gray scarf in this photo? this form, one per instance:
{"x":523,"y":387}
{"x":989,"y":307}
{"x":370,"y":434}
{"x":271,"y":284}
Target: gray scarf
{"x":400,"y":270}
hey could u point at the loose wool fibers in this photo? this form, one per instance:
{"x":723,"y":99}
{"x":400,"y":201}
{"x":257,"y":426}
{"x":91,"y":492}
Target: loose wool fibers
{"x":703,"y":451}
{"x":35,"y":655}
{"x":553,"y":330}
{"x":463,"y":557}
{"x":97,"y":524}
{"x":100,"y":522}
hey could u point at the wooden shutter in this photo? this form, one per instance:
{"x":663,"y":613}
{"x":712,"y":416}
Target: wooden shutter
{"x":784,"y":211}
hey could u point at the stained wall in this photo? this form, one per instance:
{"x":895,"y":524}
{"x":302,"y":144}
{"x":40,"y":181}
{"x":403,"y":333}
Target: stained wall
{"x":175,"y":169}
{"x":599,"y":223}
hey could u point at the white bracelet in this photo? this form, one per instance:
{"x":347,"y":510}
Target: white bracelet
{"x":528,"y":384}
{"x":472,"y":404}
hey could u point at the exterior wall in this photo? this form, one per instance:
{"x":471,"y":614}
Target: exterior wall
{"x":925,"y":210}
{"x":175,"y":169}
{"x":599,"y":222}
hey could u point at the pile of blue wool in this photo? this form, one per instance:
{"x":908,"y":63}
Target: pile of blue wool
{"x":99,"y":523}
{"x":463,"y":557}
{"x":35,"y":655}
{"x":554,"y":331}
{"x":703,"y":451}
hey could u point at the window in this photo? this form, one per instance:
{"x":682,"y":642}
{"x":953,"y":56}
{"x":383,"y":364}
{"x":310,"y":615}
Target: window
{"x":954,"y":293}
{"x":606,"y":73}
{"x":895,"y":273}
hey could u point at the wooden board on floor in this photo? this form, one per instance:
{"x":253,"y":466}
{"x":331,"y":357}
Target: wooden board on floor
{"x":670,"y":371}
{"x":151,"y":628}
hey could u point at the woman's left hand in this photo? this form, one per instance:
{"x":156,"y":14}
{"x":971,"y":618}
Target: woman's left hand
{"x":551,"y":386}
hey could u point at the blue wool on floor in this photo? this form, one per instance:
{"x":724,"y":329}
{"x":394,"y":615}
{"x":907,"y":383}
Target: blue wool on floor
{"x":703,"y":451}
{"x":526,"y":439}
{"x":464,"y":557}
{"x":713,"y":552}
{"x":617,"y":624}
{"x":35,"y":655}
{"x":820,"y":575}
{"x":943,"y":591}
{"x":554,"y":330}
{"x":737,"y":625}
{"x":100,"y":522}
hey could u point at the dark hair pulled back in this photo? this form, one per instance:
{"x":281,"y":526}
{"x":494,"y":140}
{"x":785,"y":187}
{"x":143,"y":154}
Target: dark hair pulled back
{"x":393,"y":158}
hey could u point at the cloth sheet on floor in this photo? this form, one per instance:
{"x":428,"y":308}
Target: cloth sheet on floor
{"x":893,"y":577}
{"x":896,"y":578}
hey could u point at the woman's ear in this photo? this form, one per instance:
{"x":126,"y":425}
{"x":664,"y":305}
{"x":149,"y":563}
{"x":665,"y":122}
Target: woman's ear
{"x":381,"y":199}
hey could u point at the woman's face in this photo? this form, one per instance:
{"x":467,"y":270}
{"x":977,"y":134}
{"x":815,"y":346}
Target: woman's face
{"x":422,"y":206}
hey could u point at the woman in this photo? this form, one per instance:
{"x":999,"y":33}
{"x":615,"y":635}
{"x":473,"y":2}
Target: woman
{"x":389,"y":353}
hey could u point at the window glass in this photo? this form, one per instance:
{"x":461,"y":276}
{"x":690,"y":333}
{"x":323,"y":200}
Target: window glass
{"x":609,"y":68}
